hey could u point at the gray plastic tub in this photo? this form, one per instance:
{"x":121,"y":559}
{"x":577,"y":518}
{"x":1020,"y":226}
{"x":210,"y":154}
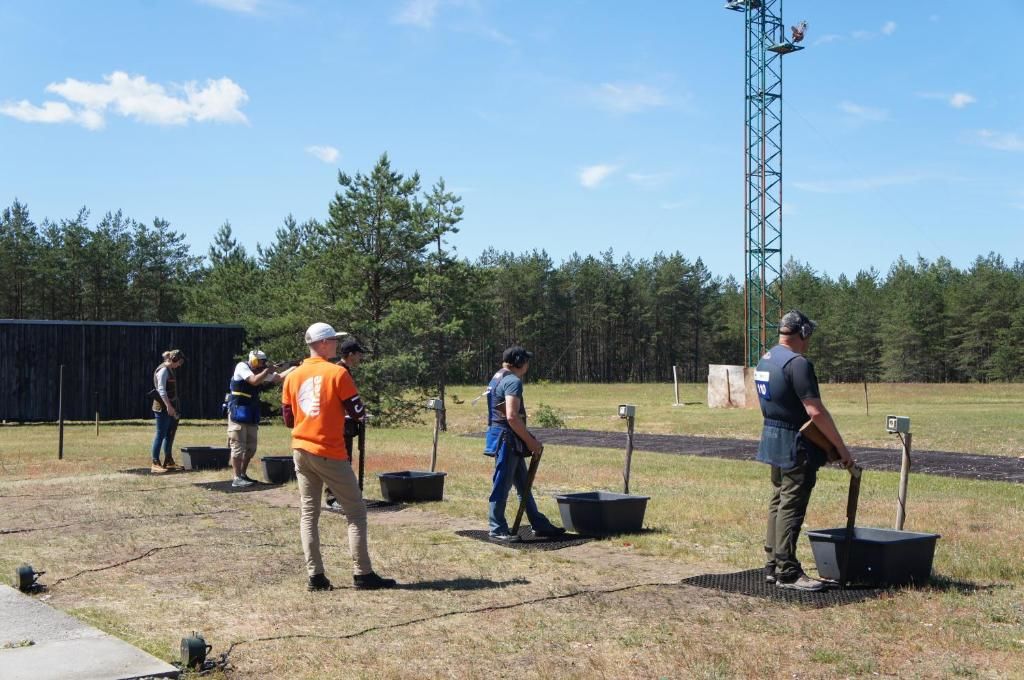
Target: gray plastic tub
{"x":278,"y":469}
{"x":602,"y":513}
{"x":411,"y":486}
{"x":205,"y":457}
{"x":877,"y":556}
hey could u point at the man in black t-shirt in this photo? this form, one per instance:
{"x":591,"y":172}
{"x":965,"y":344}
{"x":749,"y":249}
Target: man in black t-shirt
{"x":787,"y":390}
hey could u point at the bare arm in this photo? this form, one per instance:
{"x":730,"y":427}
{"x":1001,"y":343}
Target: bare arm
{"x":518,"y":426}
{"x":823,"y":420}
{"x":258,"y":378}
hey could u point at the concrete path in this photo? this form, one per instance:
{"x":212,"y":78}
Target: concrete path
{"x":944,"y":463}
{"x":64,"y":648}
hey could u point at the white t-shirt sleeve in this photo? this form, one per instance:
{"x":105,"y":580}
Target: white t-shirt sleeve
{"x":242,"y":371}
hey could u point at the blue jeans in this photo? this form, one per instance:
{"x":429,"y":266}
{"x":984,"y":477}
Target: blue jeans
{"x":509,"y":470}
{"x":166,"y":426}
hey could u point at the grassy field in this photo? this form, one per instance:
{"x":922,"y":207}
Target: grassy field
{"x":152,"y":558}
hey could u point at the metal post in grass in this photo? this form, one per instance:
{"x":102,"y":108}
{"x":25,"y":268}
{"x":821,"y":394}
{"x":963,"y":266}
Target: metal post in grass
{"x":96,"y":402}
{"x":900,"y":426}
{"x":60,"y":415}
{"x":437,"y":406}
{"x":628,"y":411}
{"x":675,"y":382}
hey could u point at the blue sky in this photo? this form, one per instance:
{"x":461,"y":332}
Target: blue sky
{"x":567,"y":126}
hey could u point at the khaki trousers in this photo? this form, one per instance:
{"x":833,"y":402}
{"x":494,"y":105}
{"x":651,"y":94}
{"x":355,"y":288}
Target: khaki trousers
{"x":313,"y":472}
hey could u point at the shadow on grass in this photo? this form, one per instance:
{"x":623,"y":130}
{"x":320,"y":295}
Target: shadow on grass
{"x":945,"y":584}
{"x":461,"y":584}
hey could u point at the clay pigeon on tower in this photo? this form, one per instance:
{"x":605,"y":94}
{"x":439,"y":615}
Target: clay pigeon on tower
{"x":798,"y":31}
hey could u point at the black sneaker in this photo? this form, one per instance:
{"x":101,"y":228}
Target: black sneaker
{"x":318,"y":582}
{"x":550,"y":532}
{"x":505,"y":537}
{"x":372,"y":581}
{"x":250,"y":479}
{"x":769,"y":574}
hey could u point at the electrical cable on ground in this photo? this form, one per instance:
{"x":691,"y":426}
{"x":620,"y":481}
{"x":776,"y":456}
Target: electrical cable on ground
{"x":160,"y":548}
{"x":444,"y":615}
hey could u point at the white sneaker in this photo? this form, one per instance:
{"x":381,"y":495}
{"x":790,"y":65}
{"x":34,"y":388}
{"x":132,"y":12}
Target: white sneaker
{"x":241,"y":481}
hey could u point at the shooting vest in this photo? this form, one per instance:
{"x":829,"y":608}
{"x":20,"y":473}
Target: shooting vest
{"x":243,"y":404}
{"x":782,"y":410}
{"x":172,"y":390}
{"x":498,"y":431}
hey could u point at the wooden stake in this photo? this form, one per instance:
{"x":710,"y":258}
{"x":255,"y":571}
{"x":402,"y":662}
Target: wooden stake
{"x":437,"y":428}
{"x":901,"y":500}
{"x":675,"y":381}
{"x":60,"y":415}
{"x":629,"y":453}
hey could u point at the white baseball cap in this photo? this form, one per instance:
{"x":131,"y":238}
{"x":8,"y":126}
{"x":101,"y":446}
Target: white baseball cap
{"x":322,"y":331}
{"x":257,"y":355}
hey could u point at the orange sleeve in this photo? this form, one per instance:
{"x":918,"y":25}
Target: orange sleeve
{"x":345,"y":386}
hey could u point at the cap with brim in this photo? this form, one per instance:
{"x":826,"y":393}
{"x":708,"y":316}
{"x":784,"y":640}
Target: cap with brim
{"x":515,"y":355}
{"x":322,"y":331}
{"x":350,"y":346}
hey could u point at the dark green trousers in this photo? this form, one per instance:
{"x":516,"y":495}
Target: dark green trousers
{"x":786,"y":511}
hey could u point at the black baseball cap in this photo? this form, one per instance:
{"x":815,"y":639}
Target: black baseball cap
{"x":515,"y":355}
{"x":349,"y":346}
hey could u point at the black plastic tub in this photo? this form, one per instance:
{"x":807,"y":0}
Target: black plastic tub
{"x":205,"y":457}
{"x":602,"y":513}
{"x":278,"y":469}
{"x":877,"y":556}
{"x":410,"y":486}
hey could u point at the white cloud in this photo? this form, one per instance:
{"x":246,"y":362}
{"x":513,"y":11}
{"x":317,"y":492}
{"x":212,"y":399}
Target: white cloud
{"x":418,"y":13}
{"x":593,"y":175}
{"x":887,"y":29}
{"x":961,"y":99}
{"x":241,"y":6}
{"x":857,"y":185}
{"x":627,"y":97}
{"x":865,"y":113}
{"x":957,"y":100}
{"x":328,"y":154}
{"x":649,"y":180}
{"x":137,"y":98}
{"x":1000,"y":141}
{"x":51,"y":112}
{"x":828,"y":38}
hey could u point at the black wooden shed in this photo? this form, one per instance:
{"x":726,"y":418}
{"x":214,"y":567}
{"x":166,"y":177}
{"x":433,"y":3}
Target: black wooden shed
{"x":108,"y":367}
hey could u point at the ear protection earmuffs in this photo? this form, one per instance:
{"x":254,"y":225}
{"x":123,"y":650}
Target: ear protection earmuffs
{"x":805,"y":329}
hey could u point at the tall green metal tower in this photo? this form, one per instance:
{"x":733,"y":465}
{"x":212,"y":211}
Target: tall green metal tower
{"x":764,"y":43}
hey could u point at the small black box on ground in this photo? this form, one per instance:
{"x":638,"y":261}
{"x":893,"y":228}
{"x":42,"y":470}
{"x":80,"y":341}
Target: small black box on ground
{"x":602,"y":513}
{"x":205,"y":457}
{"x":278,"y":469}
{"x":877,"y":556}
{"x":410,"y":486}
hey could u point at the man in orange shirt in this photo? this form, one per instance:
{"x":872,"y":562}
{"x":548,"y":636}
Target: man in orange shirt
{"x":314,"y":400}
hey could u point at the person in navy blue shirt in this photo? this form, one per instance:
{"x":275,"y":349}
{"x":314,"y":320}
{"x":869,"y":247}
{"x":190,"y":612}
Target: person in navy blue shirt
{"x":787,"y":391}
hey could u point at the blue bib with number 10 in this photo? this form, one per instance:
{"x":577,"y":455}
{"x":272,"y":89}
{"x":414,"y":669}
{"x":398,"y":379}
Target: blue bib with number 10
{"x":762,"y":384}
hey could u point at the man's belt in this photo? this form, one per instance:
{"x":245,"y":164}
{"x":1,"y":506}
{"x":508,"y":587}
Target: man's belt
{"x":782,"y":424}
{"x":242,"y":394}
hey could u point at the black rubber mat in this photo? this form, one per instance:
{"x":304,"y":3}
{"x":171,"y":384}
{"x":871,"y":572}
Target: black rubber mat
{"x":224,"y":486}
{"x":943,"y":463}
{"x":374,"y":506}
{"x":146,"y":472}
{"x":529,"y":541}
{"x":751,"y":582}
